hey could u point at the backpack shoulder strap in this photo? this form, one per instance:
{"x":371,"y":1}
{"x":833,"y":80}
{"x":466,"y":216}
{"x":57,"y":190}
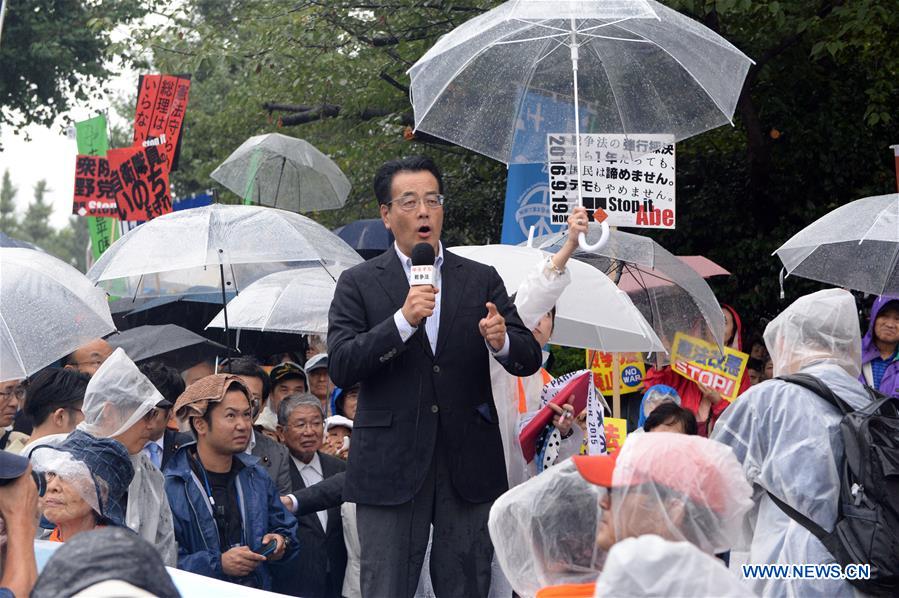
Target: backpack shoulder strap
{"x":818,"y":531}
{"x":815,"y":385}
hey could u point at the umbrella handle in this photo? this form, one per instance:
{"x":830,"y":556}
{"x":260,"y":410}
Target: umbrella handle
{"x":603,"y":239}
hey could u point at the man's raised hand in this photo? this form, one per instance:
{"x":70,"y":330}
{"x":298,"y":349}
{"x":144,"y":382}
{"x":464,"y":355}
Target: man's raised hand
{"x":493,"y":327}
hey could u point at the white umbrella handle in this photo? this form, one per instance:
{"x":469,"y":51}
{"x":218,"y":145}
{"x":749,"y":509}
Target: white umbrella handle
{"x":603,"y":239}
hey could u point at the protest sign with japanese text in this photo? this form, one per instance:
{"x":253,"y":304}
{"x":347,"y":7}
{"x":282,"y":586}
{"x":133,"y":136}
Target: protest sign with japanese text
{"x":629,"y":177}
{"x":616,"y":434}
{"x":159,"y":114}
{"x":90,"y":136}
{"x":94,"y":194}
{"x":702,"y":362}
{"x":631,"y":371}
{"x":140,"y":178}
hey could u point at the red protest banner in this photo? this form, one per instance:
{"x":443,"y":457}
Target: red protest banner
{"x":161,"y":104}
{"x":140,"y":178}
{"x":94,"y":194}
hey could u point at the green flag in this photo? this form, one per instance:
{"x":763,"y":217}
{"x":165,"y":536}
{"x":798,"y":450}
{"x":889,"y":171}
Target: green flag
{"x":90,"y":135}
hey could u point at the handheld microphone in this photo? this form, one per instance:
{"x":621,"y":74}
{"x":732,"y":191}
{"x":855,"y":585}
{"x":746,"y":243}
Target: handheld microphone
{"x":422,"y":264}
{"x":422,"y":268}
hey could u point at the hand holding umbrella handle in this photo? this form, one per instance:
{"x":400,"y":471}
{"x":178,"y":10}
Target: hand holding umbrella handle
{"x":603,"y":239}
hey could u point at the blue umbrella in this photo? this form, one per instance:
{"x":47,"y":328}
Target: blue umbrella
{"x":7,"y":241}
{"x":368,"y":237}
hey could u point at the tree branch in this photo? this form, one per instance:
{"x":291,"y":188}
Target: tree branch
{"x":385,"y":77}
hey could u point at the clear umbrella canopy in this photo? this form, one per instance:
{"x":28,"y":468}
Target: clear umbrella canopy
{"x":295,"y":300}
{"x":855,"y":246}
{"x":592,"y":313}
{"x":670,"y":294}
{"x":641,"y":68}
{"x":47,"y":310}
{"x":283,"y":172}
{"x":184,"y":250}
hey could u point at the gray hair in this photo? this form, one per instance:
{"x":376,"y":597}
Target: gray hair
{"x":297,"y":400}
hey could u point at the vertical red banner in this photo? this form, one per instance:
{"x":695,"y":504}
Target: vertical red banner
{"x":140,"y":179}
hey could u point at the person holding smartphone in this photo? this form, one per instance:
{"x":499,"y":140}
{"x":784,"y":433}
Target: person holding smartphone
{"x":229,"y":520}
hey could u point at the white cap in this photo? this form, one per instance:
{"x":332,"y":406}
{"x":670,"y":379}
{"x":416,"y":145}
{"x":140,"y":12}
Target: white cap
{"x":336,"y":421}
{"x":319,"y":360}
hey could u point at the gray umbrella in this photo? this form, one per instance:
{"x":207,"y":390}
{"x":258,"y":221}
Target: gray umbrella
{"x":173,"y":345}
{"x":283,"y":172}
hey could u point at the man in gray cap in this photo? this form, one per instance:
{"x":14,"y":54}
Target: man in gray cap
{"x":319,"y":382}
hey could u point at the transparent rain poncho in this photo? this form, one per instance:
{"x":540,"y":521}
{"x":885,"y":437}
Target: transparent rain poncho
{"x":683,"y":488}
{"x":788,"y":439}
{"x":653,"y":397}
{"x":652,"y":566}
{"x":544,"y":530}
{"x":817,"y":328}
{"x":92,"y":489}
{"x":117,"y":397}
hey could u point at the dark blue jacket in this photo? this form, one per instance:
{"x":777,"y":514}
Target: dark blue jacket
{"x":195,"y":530}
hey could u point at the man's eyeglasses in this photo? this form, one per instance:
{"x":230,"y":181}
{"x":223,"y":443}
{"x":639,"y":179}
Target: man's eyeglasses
{"x":410,"y":201}
{"x":19,"y":393}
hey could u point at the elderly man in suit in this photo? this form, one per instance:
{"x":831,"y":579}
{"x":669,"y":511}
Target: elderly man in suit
{"x":426,"y":439}
{"x":319,"y":573}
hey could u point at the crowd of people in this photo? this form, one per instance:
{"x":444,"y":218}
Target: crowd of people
{"x":386,"y":459}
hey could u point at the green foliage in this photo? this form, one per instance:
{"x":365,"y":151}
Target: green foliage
{"x":811,"y":131}
{"x":68,"y":244}
{"x":53,"y":55}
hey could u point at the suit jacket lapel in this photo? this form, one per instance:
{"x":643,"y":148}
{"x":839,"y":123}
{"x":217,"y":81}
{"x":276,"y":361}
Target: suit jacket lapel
{"x":296,"y":480}
{"x":452,"y":288}
{"x":393,"y":278}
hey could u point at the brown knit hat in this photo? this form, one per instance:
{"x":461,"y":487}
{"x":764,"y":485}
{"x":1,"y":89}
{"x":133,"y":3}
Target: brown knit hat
{"x":195,"y":399}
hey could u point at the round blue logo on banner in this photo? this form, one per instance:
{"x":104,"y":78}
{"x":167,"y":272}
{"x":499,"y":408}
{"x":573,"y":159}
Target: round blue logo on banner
{"x":631,"y":376}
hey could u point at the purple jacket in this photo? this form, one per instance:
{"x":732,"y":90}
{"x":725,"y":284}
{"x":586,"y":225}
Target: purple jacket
{"x":889,"y":384}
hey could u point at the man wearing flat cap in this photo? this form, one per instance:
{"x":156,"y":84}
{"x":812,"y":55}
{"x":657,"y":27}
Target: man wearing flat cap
{"x":229,"y":520}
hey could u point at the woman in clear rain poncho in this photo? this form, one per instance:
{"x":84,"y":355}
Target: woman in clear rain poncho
{"x":120,"y":403}
{"x":557,"y":532}
{"x":673,"y":502}
{"x":86,"y":480}
{"x":788,"y":439}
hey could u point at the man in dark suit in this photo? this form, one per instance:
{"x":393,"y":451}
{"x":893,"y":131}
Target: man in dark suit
{"x":319,"y":572}
{"x":426,"y":442}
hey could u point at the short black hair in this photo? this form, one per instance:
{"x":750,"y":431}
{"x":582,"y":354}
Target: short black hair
{"x":52,"y":388}
{"x":755,"y":364}
{"x":384,"y":176}
{"x":671,"y":413}
{"x":248,"y":366}
{"x":167,"y":380}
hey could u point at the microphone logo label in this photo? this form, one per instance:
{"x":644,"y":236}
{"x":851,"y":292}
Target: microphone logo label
{"x":422,"y":275}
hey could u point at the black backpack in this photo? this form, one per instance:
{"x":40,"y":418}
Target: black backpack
{"x":867,"y":527}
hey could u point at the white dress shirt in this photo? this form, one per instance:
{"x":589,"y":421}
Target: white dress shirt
{"x":312,"y":474}
{"x":432,"y":324}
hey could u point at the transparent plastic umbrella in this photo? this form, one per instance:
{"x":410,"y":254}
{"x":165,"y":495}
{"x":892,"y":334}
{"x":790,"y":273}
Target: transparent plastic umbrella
{"x":592,"y":312}
{"x":181,"y":252}
{"x":295,"y":300}
{"x":625,"y":67}
{"x":855,"y":246}
{"x":671,"y":295}
{"x":47,"y":310}
{"x":283,"y":172}
{"x":216,"y":245}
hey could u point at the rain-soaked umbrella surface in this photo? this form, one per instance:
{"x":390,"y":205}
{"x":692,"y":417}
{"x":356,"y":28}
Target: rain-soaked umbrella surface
{"x":295,"y":300}
{"x":618,"y":67}
{"x":215,"y":246}
{"x":592,"y":313}
{"x":641,"y":68}
{"x":855,"y":246}
{"x":283,"y":172}
{"x":368,"y":237}
{"x":47,"y":310}
{"x":172,"y":345}
{"x":683,"y":303}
